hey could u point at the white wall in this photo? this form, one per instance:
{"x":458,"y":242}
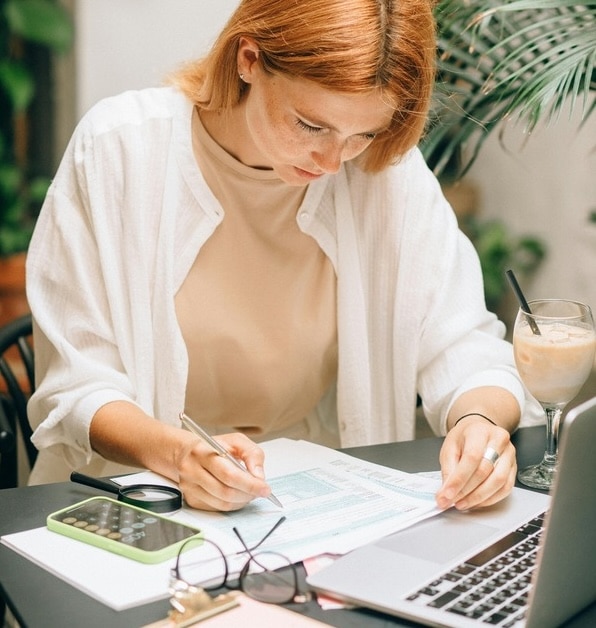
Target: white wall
{"x":545,"y":188}
{"x":131,"y":44}
{"x":546,"y":185}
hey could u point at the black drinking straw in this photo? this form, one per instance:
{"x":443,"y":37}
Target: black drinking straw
{"x":523,"y":304}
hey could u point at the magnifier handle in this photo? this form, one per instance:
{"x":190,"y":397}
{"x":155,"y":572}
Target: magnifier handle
{"x":87,"y":480}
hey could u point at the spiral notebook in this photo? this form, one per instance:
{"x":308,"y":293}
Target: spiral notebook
{"x":507,"y":566}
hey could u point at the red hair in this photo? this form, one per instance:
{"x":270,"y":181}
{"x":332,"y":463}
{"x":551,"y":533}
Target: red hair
{"x":346,"y":45}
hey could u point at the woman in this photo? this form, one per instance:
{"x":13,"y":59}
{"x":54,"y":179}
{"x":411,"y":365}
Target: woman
{"x":262,"y":245}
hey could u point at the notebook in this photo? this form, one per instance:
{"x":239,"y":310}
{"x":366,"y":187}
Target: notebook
{"x":497,"y":566}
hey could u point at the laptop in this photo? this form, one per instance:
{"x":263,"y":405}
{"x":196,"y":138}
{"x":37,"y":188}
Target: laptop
{"x":528,"y":561}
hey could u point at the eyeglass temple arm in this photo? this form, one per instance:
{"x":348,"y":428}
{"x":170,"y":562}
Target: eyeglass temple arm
{"x":251,"y":549}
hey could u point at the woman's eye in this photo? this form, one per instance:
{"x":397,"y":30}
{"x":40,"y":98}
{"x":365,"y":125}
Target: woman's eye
{"x":366,"y":137}
{"x":308,"y":127}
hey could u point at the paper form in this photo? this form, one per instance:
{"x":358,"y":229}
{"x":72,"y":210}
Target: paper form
{"x":333,"y":503}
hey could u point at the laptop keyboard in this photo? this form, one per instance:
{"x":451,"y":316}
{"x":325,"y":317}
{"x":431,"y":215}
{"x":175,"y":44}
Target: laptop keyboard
{"x":493,"y":586}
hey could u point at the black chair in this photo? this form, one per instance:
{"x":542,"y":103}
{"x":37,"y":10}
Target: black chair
{"x":16,"y":385}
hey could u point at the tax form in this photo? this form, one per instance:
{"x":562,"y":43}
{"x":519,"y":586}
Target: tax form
{"x":333,"y":503}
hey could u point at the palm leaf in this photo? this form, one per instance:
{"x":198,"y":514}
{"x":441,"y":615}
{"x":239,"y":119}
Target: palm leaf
{"x":519,"y":61}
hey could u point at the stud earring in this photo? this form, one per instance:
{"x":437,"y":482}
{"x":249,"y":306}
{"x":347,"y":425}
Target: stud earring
{"x":242,"y":77}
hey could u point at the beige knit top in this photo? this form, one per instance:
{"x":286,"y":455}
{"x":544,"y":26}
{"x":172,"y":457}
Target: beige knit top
{"x":258,"y":308}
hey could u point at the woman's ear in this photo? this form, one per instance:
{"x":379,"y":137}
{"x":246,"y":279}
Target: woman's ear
{"x":247,"y":58}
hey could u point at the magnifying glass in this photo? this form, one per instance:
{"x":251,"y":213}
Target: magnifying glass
{"x":153,"y":497}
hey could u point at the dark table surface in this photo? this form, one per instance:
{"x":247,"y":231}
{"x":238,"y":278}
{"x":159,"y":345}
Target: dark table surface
{"x":37,"y":598}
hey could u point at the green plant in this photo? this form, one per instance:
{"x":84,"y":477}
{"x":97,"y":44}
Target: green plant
{"x":25,"y":25}
{"x":506,"y":60}
{"x":499,"y":250}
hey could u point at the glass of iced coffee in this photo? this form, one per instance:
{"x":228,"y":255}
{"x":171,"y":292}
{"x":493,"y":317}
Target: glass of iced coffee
{"x":554,"y":349}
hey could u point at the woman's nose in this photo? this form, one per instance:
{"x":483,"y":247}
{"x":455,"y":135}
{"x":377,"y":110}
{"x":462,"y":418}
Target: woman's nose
{"x":328,"y":159}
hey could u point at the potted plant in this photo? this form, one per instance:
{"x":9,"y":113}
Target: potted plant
{"x":516,"y":61}
{"x":499,"y":250}
{"x":505,"y":62}
{"x":30,"y":31}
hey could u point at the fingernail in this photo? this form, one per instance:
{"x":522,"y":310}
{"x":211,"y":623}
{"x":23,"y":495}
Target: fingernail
{"x":259,"y":472}
{"x":444,"y":503}
{"x":448,"y":496}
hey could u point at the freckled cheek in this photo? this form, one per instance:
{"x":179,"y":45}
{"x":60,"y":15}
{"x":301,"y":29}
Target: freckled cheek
{"x":345,"y":151}
{"x":274,"y":135}
{"x":292,"y":146}
{"x":354,"y":149}
{"x":266,"y":128}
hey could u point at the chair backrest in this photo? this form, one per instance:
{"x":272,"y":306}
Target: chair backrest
{"x":17,"y":382}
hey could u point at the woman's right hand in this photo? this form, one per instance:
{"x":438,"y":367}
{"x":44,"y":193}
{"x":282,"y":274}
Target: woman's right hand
{"x":122,"y":432}
{"x":210,"y":482}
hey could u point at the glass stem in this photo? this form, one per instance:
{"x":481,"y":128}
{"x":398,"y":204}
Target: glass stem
{"x":553,"y":419}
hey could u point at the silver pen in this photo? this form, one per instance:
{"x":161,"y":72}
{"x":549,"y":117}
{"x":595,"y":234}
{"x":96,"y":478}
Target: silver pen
{"x":221,"y":451}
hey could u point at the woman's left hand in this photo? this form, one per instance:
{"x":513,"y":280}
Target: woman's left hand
{"x":470,"y":478}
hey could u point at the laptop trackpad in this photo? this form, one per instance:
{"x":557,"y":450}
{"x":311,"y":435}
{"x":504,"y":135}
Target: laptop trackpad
{"x":438,"y":540}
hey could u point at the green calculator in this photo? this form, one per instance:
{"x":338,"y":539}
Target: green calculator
{"x":123,"y":529}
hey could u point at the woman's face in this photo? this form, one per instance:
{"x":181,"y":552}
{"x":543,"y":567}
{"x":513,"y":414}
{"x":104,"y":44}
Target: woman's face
{"x":302,"y":130}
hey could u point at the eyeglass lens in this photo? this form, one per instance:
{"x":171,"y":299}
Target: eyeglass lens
{"x":266,"y":576}
{"x":272,"y":581}
{"x":202,"y":563}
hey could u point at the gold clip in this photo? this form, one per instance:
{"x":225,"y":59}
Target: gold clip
{"x":195,"y":604}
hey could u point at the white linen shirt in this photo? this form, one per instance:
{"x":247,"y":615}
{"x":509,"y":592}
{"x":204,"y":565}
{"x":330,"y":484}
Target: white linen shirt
{"x":123,"y":221}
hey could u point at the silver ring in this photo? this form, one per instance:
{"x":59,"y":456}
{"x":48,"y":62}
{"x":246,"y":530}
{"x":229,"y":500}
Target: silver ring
{"x":491,"y":455}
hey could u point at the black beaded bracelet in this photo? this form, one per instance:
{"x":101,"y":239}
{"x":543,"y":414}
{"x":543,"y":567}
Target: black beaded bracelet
{"x":474,"y":414}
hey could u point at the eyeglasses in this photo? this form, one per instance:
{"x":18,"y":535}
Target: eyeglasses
{"x":265,"y":576}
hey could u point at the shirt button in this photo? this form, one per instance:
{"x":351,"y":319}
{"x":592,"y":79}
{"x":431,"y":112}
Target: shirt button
{"x":303,"y":217}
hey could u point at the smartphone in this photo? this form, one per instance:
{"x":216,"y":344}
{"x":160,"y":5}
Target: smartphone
{"x":123,"y":529}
